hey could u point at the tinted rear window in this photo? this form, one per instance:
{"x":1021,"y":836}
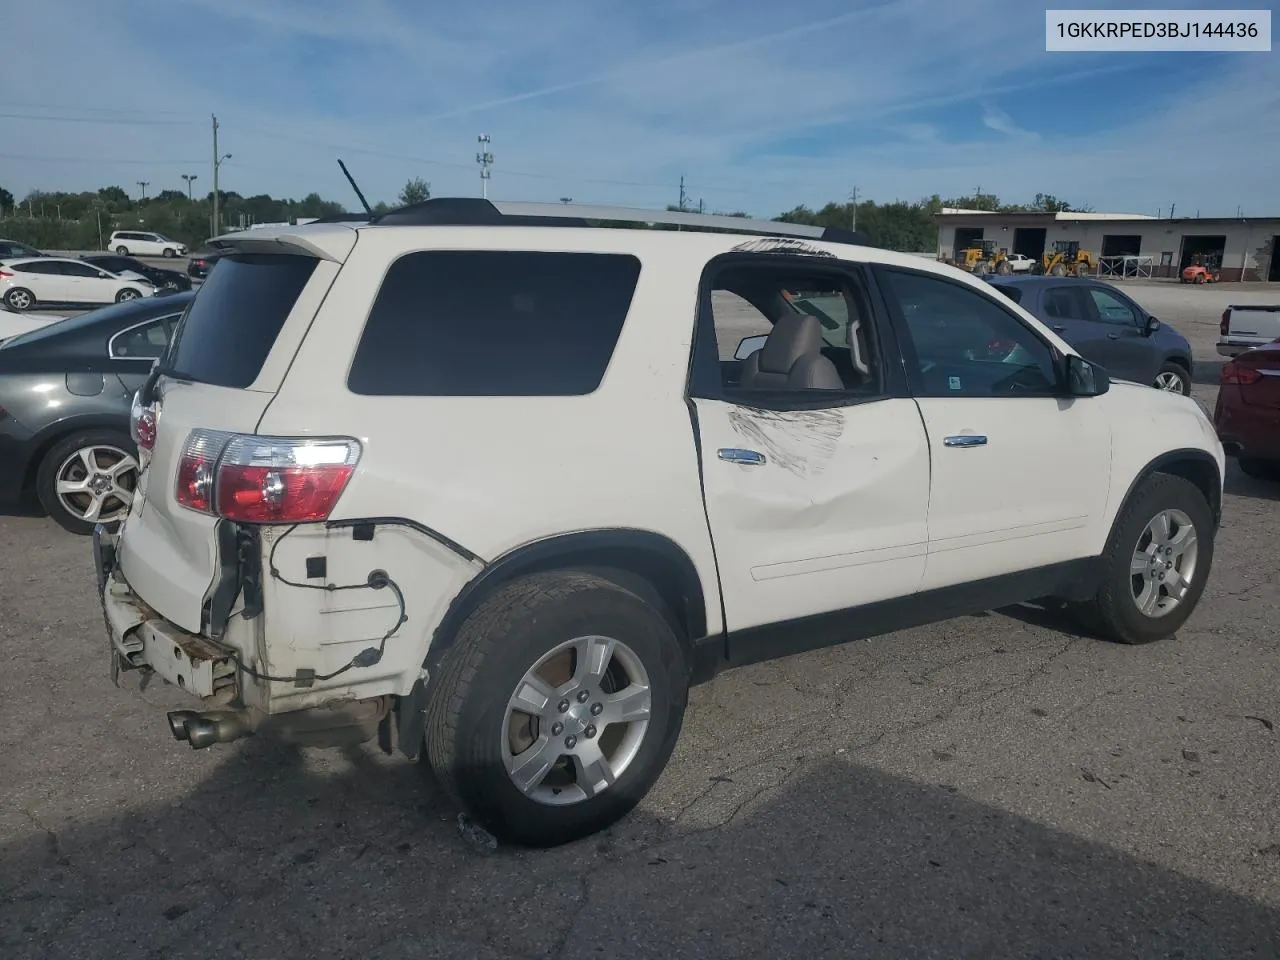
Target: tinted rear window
{"x":1013,"y":293}
{"x":233,"y":322}
{"x":494,"y":323}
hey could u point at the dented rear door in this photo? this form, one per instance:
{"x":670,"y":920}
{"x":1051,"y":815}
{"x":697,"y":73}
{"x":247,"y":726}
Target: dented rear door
{"x":814,"y":511}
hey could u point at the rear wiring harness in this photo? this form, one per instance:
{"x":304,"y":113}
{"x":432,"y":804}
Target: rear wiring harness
{"x":377,"y":580}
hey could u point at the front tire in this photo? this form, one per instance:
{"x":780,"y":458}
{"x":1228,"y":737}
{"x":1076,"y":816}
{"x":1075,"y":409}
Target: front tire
{"x":88,"y":478}
{"x":127,"y":294}
{"x":169,"y":253}
{"x":122,"y":250}
{"x":557,"y":708}
{"x":1156,"y":563}
{"x":1173,"y":378}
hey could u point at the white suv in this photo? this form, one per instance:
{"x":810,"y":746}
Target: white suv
{"x":498,"y":483}
{"x":140,"y":243}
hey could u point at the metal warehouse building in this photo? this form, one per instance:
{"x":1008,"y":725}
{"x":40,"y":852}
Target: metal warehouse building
{"x":1125,"y":244}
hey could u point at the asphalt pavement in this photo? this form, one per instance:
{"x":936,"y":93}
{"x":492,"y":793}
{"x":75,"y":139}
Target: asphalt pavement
{"x":994,"y":786}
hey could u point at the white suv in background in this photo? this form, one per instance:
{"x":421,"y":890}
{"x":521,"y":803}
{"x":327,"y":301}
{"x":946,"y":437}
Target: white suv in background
{"x":140,"y":243}
{"x":495,"y":483}
{"x":24,"y":283}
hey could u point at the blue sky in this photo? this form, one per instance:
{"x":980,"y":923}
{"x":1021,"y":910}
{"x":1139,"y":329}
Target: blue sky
{"x":760,"y":106}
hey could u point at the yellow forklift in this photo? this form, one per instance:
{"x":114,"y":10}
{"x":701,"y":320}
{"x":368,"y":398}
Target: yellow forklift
{"x":1067,"y":259}
{"x":984,"y":258}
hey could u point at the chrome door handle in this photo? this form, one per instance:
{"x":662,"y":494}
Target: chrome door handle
{"x":1059,"y":328}
{"x":1113,"y":336}
{"x":738,"y":455}
{"x":965,"y":440}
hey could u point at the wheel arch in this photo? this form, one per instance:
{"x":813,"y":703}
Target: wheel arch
{"x":1191,"y":464}
{"x":633,"y":558}
{"x":647,"y":563}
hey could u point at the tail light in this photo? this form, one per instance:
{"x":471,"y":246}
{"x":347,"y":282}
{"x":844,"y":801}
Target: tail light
{"x":252,"y":479}
{"x":5,"y":273}
{"x":1233,"y":372}
{"x":142,"y":423}
{"x":1224,"y":326}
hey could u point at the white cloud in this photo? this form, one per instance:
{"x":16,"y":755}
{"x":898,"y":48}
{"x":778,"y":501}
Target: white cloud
{"x":993,"y":118}
{"x":614,"y":101}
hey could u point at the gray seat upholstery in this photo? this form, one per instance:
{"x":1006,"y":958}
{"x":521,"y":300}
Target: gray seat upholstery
{"x":791,"y":359}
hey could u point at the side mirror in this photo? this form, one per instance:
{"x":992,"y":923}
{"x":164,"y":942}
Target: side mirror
{"x":1151,"y":326}
{"x":1084,"y":379}
{"x":750,"y":345}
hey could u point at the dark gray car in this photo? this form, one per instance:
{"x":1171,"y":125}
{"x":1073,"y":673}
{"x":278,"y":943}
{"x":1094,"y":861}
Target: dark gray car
{"x":1106,"y":327}
{"x":65,"y":394}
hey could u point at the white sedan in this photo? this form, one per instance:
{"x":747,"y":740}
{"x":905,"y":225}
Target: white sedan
{"x":32,"y":280}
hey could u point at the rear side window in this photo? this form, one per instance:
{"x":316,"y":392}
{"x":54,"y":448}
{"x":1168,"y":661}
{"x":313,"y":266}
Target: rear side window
{"x":234,"y":320}
{"x":494,"y":323}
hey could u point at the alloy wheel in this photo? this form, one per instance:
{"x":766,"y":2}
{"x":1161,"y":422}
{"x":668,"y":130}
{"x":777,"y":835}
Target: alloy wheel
{"x":96,"y":484}
{"x":576,"y":721}
{"x":1170,"y":381}
{"x":1164,"y":563}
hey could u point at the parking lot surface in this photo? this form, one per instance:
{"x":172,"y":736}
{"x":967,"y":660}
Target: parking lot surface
{"x":995,"y":786}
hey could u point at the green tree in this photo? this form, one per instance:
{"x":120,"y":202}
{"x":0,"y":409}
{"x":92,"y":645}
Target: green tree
{"x":416,"y":190}
{"x":6,"y":200}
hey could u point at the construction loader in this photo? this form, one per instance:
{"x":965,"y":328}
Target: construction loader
{"x":1067,"y":259}
{"x":984,"y":258}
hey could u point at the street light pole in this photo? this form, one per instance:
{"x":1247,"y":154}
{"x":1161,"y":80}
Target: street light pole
{"x":189,"y":177}
{"x":217,"y":164}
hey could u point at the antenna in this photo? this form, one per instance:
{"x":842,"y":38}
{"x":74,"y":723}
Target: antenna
{"x":484,"y":158}
{"x":351,"y":180}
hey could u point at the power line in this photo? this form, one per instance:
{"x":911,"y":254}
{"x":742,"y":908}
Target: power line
{"x":10,"y":105}
{"x":104,"y":161}
{"x":113,"y":121}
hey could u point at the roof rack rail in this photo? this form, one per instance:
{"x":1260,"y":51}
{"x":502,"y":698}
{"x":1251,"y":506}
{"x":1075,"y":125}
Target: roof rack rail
{"x":471,"y":211}
{"x":343,"y":218}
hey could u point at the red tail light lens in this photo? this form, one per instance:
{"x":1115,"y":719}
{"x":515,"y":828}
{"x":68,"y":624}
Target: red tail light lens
{"x":5,"y":273}
{"x":195,"y":469}
{"x":1225,"y":324}
{"x":252,"y":479}
{"x":1233,"y":372}
{"x":142,"y":424}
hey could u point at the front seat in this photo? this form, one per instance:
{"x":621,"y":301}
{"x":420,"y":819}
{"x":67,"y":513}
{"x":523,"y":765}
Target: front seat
{"x":791,"y":359}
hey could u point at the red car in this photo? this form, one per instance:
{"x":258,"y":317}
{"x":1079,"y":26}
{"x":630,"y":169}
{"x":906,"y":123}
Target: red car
{"x":1247,"y":414}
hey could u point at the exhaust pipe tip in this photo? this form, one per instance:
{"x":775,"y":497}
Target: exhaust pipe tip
{"x":201,"y":733}
{"x":178,"y":720}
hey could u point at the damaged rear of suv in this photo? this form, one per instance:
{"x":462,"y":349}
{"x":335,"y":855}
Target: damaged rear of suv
{"x":501,"y":493}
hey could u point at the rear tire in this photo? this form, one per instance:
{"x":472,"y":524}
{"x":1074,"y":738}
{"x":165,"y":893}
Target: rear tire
{"x":19,"y":299}
{"x":1116,"y":612}
{"x":114,"y":456}
{"x":473,"y":714}
{"x":1259,"y":469}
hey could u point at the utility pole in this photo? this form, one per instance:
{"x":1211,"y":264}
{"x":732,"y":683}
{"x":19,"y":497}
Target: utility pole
{"x":854,"y":219}
{"x":189,"y":177}
{"x":484,"y":158}
{"x":143,"y":185}
{"x":682,"y":193}
{"x":217,"y":163}
{"x":1171,"y":206}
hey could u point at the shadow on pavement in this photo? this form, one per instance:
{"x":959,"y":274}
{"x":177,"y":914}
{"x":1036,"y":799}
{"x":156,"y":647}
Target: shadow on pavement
{"x":1238,"y":484}
{"x":273,"y":857}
